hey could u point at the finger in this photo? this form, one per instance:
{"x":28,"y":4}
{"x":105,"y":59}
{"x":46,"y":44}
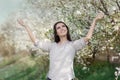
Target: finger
{"x":19,"y":21}
{"x":102,"y":13}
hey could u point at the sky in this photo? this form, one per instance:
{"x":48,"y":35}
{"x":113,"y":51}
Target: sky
{"x":7,"y":7}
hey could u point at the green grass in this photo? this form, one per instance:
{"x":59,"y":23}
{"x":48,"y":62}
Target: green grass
{"x":96,"y":71}
{"x":21,"y":71}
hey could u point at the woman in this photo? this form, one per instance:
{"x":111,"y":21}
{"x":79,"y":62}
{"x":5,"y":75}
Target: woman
{"x":62,"y":51}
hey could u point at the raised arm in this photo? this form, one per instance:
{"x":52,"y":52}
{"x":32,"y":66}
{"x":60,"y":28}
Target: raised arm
{"x":44,"y":45}
{"x":92,"y":27}
{"x":32,"y":37}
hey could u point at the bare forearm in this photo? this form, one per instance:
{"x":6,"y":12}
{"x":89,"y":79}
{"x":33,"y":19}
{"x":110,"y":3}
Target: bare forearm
{"x":92,"y":27}
{"x":32,"y":37}
{"x":91,"y":30}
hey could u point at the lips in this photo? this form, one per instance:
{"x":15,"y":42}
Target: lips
{"x":63,"y":31}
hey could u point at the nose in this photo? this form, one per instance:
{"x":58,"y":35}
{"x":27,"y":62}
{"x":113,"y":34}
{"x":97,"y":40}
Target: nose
{"x":62,"y":29}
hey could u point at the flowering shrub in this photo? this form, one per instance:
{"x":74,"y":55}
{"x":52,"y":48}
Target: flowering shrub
{"x":117,"y":73}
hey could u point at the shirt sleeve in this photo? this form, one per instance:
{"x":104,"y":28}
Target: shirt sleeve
{"x":43,"y":45}
{"x":79,"y":44}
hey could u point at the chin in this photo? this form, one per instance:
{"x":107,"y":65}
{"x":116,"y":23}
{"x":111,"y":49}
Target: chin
{"x":63,"y":35}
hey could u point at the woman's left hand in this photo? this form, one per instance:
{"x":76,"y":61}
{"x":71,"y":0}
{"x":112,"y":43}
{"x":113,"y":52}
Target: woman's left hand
{"x":99,"y":16}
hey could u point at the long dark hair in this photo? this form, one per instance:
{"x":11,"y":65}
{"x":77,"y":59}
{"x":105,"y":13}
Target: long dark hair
{"x":56,"y":37}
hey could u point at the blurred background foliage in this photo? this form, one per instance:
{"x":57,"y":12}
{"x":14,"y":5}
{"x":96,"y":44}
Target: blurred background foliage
{"x":18,"y":62}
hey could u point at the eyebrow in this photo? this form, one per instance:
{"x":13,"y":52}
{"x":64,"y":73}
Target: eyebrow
{"x":59,"y":26}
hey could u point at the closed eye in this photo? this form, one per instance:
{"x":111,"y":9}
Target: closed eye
{"x":58,"y":28}
{"x":63,"y":26}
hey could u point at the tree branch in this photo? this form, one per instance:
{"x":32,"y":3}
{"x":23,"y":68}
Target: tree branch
{"x":105,"y":11}
{"x":118,"y":4}
{"x":104,"y":6}
{"x":95,"y":5}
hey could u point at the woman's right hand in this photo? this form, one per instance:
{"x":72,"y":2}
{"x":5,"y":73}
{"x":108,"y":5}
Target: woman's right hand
{"x":21,"y":22}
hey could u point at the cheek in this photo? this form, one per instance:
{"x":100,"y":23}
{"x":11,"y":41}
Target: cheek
{"x":58,"y":32}
{"x":65,"y":28}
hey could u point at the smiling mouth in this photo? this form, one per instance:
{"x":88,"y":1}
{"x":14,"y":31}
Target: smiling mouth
{"x":62,"y":31}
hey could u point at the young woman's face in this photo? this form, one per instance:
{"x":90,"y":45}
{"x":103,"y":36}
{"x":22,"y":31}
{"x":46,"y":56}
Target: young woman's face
{"x":61,"y":30}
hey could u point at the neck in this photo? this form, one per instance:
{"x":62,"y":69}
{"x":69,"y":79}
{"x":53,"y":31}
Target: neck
{"x":63,"y":39}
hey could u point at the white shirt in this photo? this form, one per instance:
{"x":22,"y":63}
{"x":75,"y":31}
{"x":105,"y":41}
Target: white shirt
{"x":61,"y":58}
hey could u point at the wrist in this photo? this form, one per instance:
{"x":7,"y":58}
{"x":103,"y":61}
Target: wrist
{"x":95,"y":19}
{"x":25,"y":26}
